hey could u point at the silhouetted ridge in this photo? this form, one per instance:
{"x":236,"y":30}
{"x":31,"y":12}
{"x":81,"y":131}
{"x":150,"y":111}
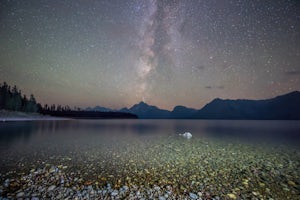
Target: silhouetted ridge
{"x":180,"y":112}
{"x":281,"y":107}
{"x":145,"y":111}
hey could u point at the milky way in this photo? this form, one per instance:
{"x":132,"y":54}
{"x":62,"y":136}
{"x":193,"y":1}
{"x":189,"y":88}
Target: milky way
{"x":166,"y":53}
{"x":158,"y":38}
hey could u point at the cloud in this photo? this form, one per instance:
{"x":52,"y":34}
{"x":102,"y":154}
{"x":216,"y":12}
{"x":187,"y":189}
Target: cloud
{"x":208,"y":87}
{"x":292,"y":72}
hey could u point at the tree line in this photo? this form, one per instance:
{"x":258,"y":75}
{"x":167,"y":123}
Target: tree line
{"x":11,"y":98}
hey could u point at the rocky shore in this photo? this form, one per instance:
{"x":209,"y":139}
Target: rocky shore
{"x":170,"y":169}
{"x":53,"y":183}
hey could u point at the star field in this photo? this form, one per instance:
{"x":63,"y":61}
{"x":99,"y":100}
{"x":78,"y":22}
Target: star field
{"x":115,"y":53}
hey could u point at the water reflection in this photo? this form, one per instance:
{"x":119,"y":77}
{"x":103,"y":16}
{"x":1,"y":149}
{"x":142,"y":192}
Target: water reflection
{"x":12,"y":131}
{"x":275,"y":131}
{"x":272,"y":132}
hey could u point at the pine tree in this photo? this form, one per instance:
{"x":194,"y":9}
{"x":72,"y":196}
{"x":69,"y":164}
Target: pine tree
{"x":3,"y":94}
{"x":16,"y":99}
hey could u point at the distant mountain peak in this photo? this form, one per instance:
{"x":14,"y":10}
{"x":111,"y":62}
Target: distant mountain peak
{"x":142,"y":103}
{"x":99,"y":108}
{"x":217,"y":100}
{"x":143,"y":110}
{"x":285,"y":106}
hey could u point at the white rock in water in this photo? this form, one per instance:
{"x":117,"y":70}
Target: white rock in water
{"x":186,"y":135}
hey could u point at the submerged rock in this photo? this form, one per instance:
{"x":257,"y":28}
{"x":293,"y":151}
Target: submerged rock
{"x":193,"y":196}
{"x":52,"y":187}
{"x":114,"y":193}
{"x":186,"y":135}
{"x":161,"y":198}
{"x":231,"y":196}
{"x":20,"y":194}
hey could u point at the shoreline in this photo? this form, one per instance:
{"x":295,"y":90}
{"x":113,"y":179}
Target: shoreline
{"x":10,"y":116}
{"x":14,"y":119}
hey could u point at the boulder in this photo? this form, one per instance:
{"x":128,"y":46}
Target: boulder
{"x":186,"y":135}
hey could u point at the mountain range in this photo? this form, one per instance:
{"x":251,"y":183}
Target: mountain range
{"x":284,"y":107}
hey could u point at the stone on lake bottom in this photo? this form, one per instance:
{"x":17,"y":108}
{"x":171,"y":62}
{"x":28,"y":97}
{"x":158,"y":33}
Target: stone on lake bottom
{"x":161,"y":198}
{"x":193,"y":196}
{"x":52,"y":187}
{"x":20,"y":194}
{"x":114,"y":193}
{"x":231,"y":196}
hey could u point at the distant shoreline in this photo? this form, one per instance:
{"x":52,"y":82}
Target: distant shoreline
{"x":46,"y":118}
{"x":9,"y":116}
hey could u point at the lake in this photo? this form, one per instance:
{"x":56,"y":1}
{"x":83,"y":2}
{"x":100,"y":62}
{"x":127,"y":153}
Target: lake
{"x":147,"y":159}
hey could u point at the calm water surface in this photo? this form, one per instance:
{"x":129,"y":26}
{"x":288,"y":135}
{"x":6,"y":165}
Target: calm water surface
{"x":223,"y":157}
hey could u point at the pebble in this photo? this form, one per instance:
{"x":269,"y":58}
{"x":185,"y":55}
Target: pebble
{"x":231,"y":196}
{"x":90,"y":187}
{"x":292,"y":183}
{"x":286,"y":189}
{"x":156,"y":188}
{"x":169,"y":187}
{"x":245,"y":183}
{"x":34,"y":194}
{"x":6,"y":183}
{"x":255,"y":193}
{"x":114,"y":193}
{"x":52,"y":187}
{"x":193,"y":195}
{"x":52,"y":170}
{"x":20,"y":194}
{"x":261,"y":184}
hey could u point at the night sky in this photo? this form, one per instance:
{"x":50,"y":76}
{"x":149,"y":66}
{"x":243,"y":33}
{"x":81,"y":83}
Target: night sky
{"x":116,"y":53}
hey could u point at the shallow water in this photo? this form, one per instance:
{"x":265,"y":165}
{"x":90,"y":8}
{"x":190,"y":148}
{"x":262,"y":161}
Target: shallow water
{"x":224,"y":159}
